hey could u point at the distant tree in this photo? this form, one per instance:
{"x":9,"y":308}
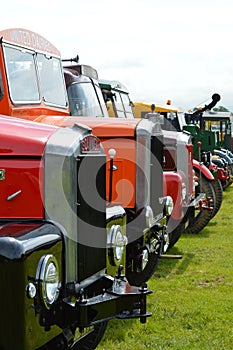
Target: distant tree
{"x":220,"y":109}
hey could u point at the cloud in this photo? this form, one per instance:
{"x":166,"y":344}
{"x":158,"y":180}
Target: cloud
{"x":158,"y":49}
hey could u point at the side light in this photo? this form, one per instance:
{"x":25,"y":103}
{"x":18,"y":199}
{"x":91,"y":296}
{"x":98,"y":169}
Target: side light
{"x":48,"y":279}
{"x":31,"y":290}
{"x":169,"y":205}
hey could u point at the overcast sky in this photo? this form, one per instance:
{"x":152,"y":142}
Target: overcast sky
{"x":159,"y":49}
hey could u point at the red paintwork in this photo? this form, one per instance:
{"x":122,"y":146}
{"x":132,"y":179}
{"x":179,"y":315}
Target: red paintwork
{"x":27,"y":176}
{"x":203,"y":169}
{"x":22,"y":146}
{"x":222,"y":174}
{"x":26,"y":39}
{"x":23,"y":138}
{"x":172,"y":186}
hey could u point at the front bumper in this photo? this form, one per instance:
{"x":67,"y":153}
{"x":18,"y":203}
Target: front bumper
{"x":26,"y":323}
{"x":124,"y":302}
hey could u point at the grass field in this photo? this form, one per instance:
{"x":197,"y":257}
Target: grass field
{"x":192,"y":300}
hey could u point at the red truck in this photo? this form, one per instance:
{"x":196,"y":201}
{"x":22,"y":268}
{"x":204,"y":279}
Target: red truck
{"x":62,"y":247}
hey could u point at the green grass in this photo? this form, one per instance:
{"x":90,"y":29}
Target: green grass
{"x":192,"y":300}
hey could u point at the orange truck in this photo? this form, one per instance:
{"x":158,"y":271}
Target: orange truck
{"x":134,"y":150}
{"x":202,"y":196}
{"x":62,"y":247}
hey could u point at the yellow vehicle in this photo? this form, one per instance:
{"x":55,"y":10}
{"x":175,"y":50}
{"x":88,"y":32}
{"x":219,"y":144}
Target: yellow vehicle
{"x":170,"y":113}
{"x":142,"y":108}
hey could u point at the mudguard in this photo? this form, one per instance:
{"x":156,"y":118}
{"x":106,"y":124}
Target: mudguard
{"x":223,"y":155}
{"x":173,"y":187}
{"x":21,"y":247}
{"x":203,"y":169}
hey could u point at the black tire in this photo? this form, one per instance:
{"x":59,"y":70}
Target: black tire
{"x":90,"y":341}
{"x":141,"y":262}
{"x":218,"y":190}
{"x":225,"y":184}
{"x":202,"y":217}
{"x":175,"y":230}
{"x":230,"y":167}
{"x":137,"y":278}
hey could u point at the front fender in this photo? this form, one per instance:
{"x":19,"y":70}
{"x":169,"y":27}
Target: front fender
{"x":172,"y":182}
{"x":203,"y":169}
{"x":21,"y":247}
{"x":223,"y":155}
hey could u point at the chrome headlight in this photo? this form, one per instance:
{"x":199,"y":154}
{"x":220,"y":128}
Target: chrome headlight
{"x":169,"y":205}
{"x":149,"y":216}
{"x":48,"y":278}
{"x":117,"y":242}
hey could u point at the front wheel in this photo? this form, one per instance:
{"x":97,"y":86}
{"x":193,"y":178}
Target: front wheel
{"x":175,"y":229}
{"x":142,"y":265}
{"x":202,"y":216}
{"x":218,"y":190}
{"x":92,"y":339}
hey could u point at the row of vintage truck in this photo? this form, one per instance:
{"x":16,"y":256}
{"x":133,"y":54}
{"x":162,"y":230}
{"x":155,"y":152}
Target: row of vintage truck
{"x":94,"y":190}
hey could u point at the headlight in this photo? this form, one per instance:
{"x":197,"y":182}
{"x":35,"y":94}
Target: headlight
{"x":116,"y":242}
{"x":169,"y":205}
{"x":149,"y":216}
{"x":48,"y":278}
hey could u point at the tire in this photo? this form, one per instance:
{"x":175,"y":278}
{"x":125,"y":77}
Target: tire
{"x":90,"y":341}
{"x":141,"y":260}
{"x":175,"y":229}
{"x":138,"y":278}
{"x":230,"y":167}
{"x":201,"y":219}
{"x":218,"y":191}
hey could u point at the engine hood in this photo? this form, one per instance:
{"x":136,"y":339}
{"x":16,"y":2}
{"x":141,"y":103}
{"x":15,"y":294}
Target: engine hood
{"x":103,"y":127}
{"x":23,"y":138}
{"x":112,"y":128}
